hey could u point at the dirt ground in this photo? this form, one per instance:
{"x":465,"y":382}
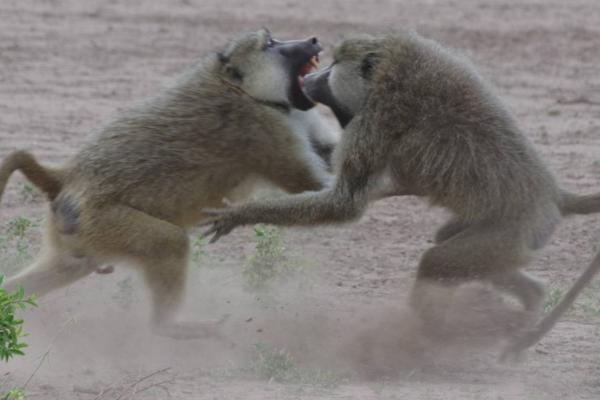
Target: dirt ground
{"x":67,"y":66}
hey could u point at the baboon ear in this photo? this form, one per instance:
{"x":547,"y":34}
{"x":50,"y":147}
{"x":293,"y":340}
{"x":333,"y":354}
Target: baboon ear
{"x":368,"y":65}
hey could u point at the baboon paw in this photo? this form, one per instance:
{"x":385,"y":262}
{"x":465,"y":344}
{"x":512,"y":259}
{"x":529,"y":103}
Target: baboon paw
{"x":221,"y":222}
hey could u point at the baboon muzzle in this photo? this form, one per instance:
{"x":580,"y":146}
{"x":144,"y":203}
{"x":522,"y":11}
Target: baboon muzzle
{"x":301,"y":58}
{"x":317,"y":89}
{"x":299,"y":50}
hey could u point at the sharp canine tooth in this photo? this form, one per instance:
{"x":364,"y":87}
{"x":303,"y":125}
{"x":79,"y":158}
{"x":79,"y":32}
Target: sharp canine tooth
{"x":314,"y":62}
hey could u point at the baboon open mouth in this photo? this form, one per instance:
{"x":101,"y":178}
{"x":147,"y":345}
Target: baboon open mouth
{"x":297,"y":97}
{"x":311,"y":66}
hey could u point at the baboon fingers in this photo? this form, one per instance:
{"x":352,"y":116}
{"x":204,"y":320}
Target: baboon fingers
{"x":213,"y":215}
{"x":216,"y":231}
{"x":221,"y":221}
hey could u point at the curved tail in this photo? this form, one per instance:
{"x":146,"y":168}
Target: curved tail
{"x":575,"y":204}
{"x":532,"y":336}
{"x":47,"y":180}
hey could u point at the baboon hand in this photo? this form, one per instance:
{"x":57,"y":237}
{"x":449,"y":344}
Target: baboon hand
{"x":221,"y":222}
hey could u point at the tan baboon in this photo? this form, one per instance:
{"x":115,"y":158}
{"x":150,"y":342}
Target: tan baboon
{"x":132,"y":192}
{"x":420,"y":121}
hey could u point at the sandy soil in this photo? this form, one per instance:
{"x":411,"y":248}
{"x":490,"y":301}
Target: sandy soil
{"x":67,"y":66}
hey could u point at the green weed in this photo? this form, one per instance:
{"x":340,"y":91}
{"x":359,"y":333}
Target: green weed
{"x":29,"y":193}
{"x":14,"y":394}
{"x":198,"y":249}
{"x":11,"y":328}
{"x":280,"y":366}
{"x":555,"y":294}
{"x":270,"y":261}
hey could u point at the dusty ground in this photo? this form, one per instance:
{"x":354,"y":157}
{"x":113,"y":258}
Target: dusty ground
{"x":67,"y":66}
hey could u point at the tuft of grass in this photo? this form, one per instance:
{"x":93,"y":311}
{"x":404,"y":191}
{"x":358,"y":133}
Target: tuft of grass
{"x":19,"y":226}
{"x":29,"y":193}
{"x":280,"y":366}
{"x":269,"y":262}
{"x":276,"y":365}
{"x":555,"y":294}
{"x":590,"y":300}
{"x":198,"y":249}
{"x":553,"y":112}
{"x":15,"y":247}
{"x":14,"y":394}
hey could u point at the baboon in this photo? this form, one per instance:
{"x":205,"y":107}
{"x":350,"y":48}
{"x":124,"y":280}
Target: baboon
{"x":419,"y":120}
{"x":133,"y":191}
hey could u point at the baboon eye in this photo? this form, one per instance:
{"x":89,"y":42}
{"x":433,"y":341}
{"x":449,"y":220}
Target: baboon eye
{"x":367,"y":65}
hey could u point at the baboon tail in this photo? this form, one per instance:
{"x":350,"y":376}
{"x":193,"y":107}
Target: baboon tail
{"x":47,"y":180}
{"x":545,"y":325}
{"x":575,"y":204}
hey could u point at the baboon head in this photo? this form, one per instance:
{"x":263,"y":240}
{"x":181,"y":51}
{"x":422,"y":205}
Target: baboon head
{"x":271,"y":70}
{"x":344,"y":86}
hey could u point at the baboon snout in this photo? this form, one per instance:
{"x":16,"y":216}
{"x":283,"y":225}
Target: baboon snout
{"x":317,"y":88}
{"x":301,"y":50}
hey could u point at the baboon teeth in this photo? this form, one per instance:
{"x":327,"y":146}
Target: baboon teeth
{"x":314,"y":61}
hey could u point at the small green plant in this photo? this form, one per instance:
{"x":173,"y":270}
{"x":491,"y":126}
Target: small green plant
{"x":29,"y":193}
{"x":269,"y":261}
{"x":19,"y":226}
{"x":15,"y":247}
{"x":555,"y":294}
{"x":11,"y":328}
{"x":280,"y":366}
{"x":14,"y":394}
{"x":590,"y":301}
{"x":277,"y":365}
{"x":198,"y":249}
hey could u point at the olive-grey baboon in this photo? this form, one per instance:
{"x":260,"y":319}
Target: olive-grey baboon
{"x":420,"y":121}
{"x":133,"y":191}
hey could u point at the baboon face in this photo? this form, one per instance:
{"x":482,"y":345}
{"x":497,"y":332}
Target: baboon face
{"x":345,"y":85}
{"x":271,"y":70}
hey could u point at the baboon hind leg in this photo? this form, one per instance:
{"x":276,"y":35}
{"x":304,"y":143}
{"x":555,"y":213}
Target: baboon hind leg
{"x":474,"y":253}
{"x":449,"y":229}
{"x":51,"y":272}
{"x":161,"y":249}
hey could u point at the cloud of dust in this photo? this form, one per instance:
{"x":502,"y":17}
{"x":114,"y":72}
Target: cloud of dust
{"x":90,"y":330}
